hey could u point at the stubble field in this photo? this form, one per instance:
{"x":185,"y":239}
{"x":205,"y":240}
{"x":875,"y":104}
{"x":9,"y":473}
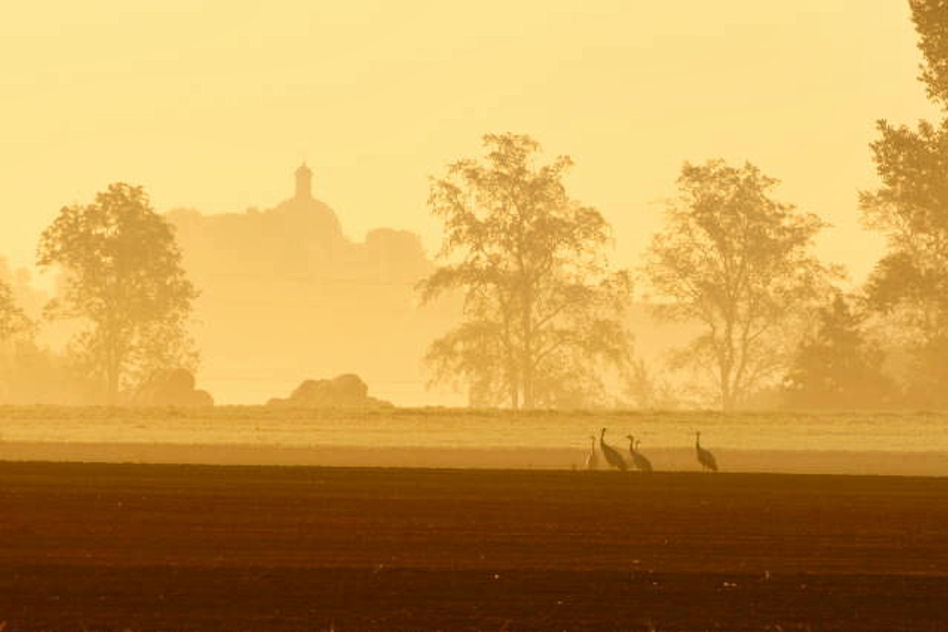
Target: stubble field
{"x":895,"y":443}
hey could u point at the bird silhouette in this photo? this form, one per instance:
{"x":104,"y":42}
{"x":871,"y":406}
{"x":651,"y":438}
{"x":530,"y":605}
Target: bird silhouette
{"x":645,"y":465}
{"x":613,"y":457}
{"x":592,"y":459}
{"x":641,"y":463}
{"x":705,"y":458}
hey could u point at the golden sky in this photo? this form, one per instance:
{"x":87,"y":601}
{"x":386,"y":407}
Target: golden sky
{"x":212,"y":104}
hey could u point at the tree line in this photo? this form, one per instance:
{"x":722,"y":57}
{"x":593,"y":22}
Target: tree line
{"x":543,"y":312}
{"x":121,"y":278}
{"x":543,"y":321}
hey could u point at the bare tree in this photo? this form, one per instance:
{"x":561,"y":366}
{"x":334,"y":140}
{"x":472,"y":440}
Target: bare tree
{"x":738,"y":262}
{"x":542,"y":310}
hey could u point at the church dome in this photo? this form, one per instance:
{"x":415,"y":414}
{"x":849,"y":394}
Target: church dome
{"x":304,"y":212}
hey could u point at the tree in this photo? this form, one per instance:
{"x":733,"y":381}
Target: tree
{"x":123,"y":275}
{"x":931,"y":23}
{"x":911,"y":208}
{"x":910,"y":283}
{"x":648,"y":389}
{"x":12,"y":319}
{"x":543,"y":313}
{"x":737,"y":262}
{"x":838,"y":367}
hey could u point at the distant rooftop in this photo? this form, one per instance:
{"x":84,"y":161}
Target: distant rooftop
{"x":304,"y":182}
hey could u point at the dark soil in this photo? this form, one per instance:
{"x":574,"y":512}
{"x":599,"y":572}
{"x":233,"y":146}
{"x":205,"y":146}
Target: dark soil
{"x":159,"y":547}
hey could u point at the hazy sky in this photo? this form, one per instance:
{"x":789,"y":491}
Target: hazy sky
{"x":213,"y":104}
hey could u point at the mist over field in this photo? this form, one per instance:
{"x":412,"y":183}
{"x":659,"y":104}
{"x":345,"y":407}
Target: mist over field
{"x":649,"y":262}
{"x":506,"y":316}
{"x":802,"y":442}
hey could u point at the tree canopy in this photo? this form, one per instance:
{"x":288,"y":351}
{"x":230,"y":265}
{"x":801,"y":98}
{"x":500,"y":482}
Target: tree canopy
{"x":13,"y":320}
{"x":837,"y":367}
{"x":542,"y":310}
{"x":122,"y":275}
{"x":931,"y":23}
{"x":738,"y":262}
{"x":910,"y":283}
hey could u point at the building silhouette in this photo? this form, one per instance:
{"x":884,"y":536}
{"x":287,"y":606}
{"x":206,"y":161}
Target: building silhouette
{"x":285,"y":296}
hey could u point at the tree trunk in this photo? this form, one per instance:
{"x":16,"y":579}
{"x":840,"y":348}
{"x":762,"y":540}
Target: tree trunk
{"x":727,"y":396}
{"x":526,"y":355}
{"x":514,"y":386}
{"x":526,"y":360}
{"x":528,"y":396}
{"x":113,"y":365}
{"x":112,"y":377}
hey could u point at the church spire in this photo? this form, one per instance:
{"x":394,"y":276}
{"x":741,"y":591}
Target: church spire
{"x":304,"y":182}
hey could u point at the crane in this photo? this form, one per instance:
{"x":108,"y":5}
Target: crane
{"x":705,"y":458}
{"x":592,"y":459}
{"x":613,"y":457}
{"x":641,"y":463}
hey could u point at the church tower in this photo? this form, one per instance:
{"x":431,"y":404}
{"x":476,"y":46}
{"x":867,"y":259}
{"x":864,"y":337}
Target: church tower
{"x":304,"y":182}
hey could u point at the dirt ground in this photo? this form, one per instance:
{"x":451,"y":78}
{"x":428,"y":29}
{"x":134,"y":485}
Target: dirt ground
{"x":188,"y":547}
